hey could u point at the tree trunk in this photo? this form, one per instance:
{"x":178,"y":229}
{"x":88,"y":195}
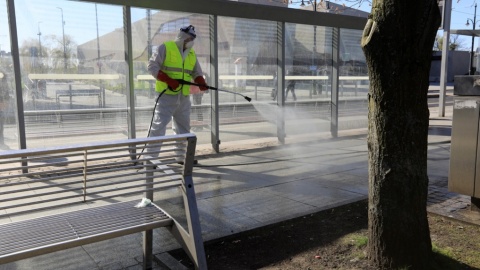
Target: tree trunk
{"x":397,"y":42}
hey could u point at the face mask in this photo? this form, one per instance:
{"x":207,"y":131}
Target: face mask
{"x":189,"y":44}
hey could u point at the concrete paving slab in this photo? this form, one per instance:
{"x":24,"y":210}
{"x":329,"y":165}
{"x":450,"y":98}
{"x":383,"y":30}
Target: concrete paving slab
{"x":70,"y":259}
{"x":341,"y":181}
{"x":217,"y":220}
{"x":320,"y":196}
{"x":168,"y":262}
{"x":105,"y":252}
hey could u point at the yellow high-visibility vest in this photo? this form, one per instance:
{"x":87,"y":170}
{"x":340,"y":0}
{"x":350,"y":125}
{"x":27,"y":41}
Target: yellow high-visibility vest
{"x":175,"y":68}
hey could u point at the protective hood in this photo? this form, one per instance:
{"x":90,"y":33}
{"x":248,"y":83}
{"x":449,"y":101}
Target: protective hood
{"x":181,"y":37}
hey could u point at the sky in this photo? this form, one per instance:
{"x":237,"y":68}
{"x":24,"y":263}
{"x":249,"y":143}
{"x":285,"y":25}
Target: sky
{"x":45,"y":17}
{"x":461,"y":11}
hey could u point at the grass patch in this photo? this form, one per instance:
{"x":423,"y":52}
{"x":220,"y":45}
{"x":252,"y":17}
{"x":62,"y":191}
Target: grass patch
{"x":447,"y":252}
{"x":360,"y":241}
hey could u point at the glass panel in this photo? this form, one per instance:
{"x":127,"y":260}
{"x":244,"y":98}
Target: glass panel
{"x":8,"y":123}
{"x":308,"y":79}
{"x":247,"y":52}
{"x":73,"y":71}
{"x":353,"y":82}
{"x":160,"y":26}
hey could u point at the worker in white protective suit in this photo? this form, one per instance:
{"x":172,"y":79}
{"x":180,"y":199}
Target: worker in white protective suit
{"x":173,"y":62}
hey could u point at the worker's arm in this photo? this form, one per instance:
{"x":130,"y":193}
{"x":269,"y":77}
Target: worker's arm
{"x":156,"y":61}
{"x":198,"y":76}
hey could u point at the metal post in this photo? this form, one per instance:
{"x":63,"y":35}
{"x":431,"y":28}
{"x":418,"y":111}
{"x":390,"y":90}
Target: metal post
{"x":99,"y":64}
{"x":314,"y":51}
{"x":148,"y":234}
{"x":149,"y":32}
{"x":70,"y":95}
{"x":12,"y":22}
{"x":336,"y":39}
{"x":151,"y":90}
{"x":443,"y":72}
{"x":281,"y":45}
{"x":127,"y":26}
{"x":474,"y":22}
{"x":64,"y":45}
{"x":214,"y":102}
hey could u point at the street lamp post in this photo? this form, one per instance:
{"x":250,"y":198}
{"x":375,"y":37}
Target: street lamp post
{"x":64,"y":45}
{"x":314,"y":49}
{"x":98,"y":43}
{"x":149,"y":47}
{"x":472,"y":54}
{"x":39,"y":56}
{"x":39,"y":39}
{"x":149,"y":33}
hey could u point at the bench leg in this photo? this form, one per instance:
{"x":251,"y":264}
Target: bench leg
{"x":191,"y":240}
{"x":148,"y":250}
{"x":148,"y":235}
{"x":70,"y":92}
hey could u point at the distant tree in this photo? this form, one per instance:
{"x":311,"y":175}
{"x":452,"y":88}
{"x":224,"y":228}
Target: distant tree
{"x":54,"y":45}
{"x":30,"y":55}
{"x":397,"y":42}
{"x":51,"y":54}
{"x":456,"y":43}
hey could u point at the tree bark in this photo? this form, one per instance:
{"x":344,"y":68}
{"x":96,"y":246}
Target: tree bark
{"x":397,"y":42}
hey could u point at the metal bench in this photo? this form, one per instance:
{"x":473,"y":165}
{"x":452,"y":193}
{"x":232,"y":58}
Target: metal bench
{"x":62,"y":197}
{"x":100,"y":93}
{"x":85,"y":89}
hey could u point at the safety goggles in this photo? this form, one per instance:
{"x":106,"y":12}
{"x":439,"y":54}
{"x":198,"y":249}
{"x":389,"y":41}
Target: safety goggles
{"x":189,"y":30}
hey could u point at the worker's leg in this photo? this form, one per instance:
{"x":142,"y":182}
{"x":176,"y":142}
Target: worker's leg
{"x":181,"y":117}
{"x":164,"y":109}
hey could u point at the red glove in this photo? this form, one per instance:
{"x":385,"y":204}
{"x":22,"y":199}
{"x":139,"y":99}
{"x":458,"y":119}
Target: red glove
{"x":203,"y":85}
{"x":171,"y":82}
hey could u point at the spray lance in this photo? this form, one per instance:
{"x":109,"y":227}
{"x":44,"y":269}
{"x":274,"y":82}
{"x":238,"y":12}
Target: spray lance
{"x":214,"y":88}
{"x":196,"y":84}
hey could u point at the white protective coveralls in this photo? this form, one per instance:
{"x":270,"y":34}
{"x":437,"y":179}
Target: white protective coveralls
{"x":168,"y":107}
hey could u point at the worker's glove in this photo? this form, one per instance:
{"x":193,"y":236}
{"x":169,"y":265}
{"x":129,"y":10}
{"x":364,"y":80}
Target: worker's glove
{"x":202,"y":84}
{"x":172,"y":84}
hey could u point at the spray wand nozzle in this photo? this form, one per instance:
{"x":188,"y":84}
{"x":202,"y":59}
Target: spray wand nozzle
{"x":216,"y":89}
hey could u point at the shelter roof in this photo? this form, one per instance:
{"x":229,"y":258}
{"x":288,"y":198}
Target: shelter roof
{"x":466,"y":32}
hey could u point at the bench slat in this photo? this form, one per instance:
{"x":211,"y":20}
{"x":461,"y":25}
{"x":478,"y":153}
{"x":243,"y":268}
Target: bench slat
{"x":69,"y":229}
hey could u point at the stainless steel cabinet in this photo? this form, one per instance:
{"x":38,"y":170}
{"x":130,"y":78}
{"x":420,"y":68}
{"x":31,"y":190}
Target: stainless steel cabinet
{"x":464,"y":175}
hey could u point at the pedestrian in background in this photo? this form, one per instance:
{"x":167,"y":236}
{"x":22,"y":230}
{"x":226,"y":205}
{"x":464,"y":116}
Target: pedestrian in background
{"x":275,"y":84}
{"x":290,"y":86}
